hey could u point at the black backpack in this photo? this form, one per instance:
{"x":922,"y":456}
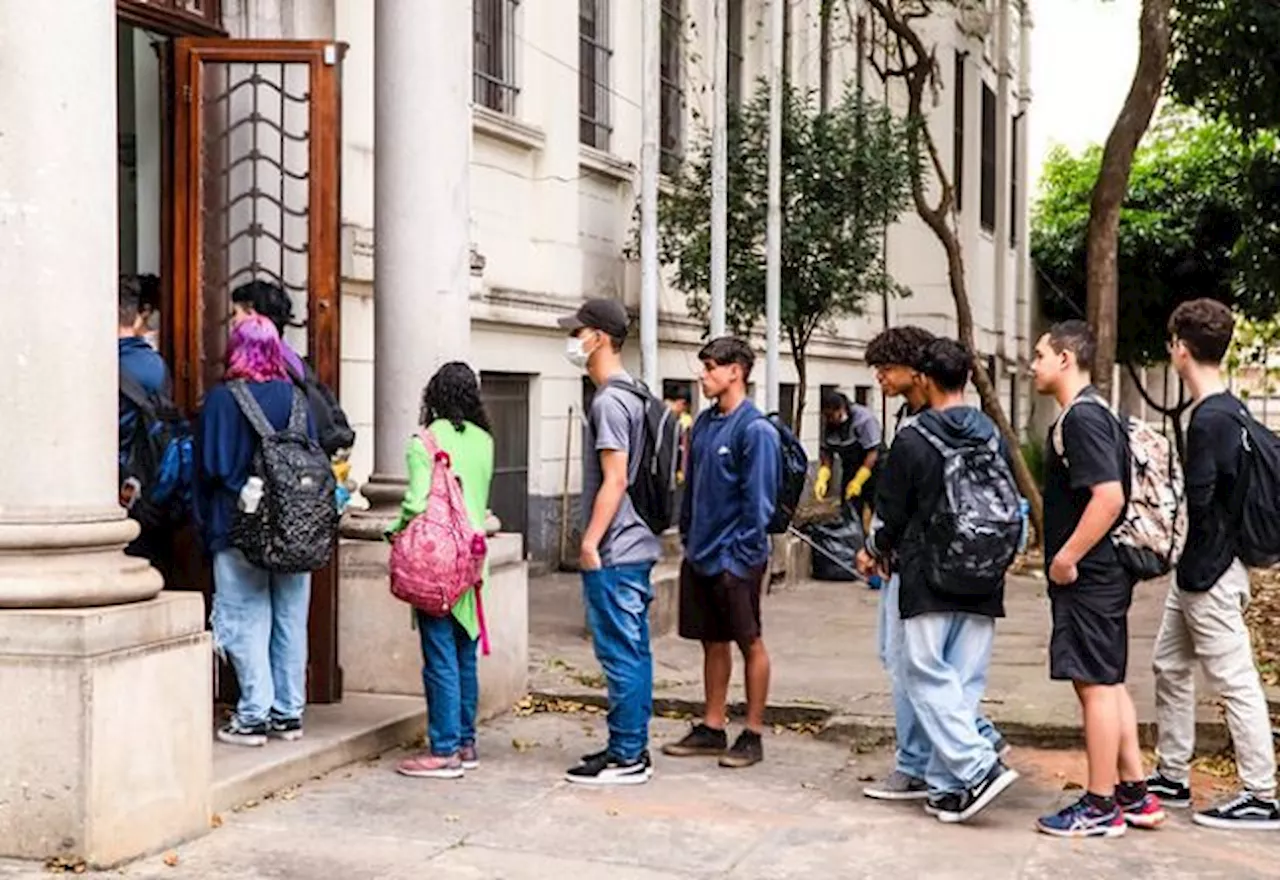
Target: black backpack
{"x":332,"y":427}
{"x":296,"y":522}
{"x":972,"y":536}
{"x":159,"y":457}
{"x":792,"y":476}
{"x":1255,"y":502}
{"x":653,"y":487}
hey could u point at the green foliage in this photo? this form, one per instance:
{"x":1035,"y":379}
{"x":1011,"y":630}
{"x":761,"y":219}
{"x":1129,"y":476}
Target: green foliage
{"x":1227,"y":60}
{"x":846,"y":175}
{"x":1193,"y":224}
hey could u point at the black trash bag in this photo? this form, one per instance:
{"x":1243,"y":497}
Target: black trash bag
{"x":835,"y":546}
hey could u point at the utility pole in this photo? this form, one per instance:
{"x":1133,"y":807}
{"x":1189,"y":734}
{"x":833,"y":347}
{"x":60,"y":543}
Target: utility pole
{"x":720,"y":170}
{"x":773,"y":230}
{"x":650,"y":111}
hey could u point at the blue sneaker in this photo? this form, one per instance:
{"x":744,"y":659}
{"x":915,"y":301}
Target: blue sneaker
{"x":874,"y":582}
{"x":1083,"y":819}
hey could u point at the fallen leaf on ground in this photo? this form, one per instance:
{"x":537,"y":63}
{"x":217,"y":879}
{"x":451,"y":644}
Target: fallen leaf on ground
{"x":171,"y":859}
{"x":215,"y":821}
{"x":523,"y":745}
{"x":451,"y":818}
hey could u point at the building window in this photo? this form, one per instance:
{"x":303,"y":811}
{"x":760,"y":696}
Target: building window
{"x":1014,"y":192}
{"x":862,"y":395}
{"x":594,"y":55}
{"x":957,"y":149}
{"x":988,"y":207}
{"x":787,"y":404}
{"x":733,"y":80}
{"x":672,"y":109}
{"x":494,"y":80}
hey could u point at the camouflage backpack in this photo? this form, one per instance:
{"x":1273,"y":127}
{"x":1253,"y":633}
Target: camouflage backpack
{"x":972,"y":537}
{"x":1150,"y":536}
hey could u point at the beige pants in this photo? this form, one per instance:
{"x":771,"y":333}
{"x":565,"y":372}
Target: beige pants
{"x":1209,"y":628}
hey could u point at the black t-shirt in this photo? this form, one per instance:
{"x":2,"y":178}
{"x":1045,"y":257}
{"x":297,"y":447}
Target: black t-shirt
{"x":1214,"y":447}
{"x":1096,"y":451}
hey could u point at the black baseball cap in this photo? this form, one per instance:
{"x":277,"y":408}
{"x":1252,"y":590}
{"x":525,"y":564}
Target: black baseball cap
{"x":606,"y":315}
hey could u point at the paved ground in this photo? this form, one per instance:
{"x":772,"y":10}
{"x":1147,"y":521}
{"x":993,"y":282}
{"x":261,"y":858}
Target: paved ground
{"x":799,"y":815}
{"x":822,"y":638}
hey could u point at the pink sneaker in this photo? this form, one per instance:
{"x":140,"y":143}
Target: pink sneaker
{"x":470,"y":757}
{"x":1146,"y":813}
{"x":429,"y":766}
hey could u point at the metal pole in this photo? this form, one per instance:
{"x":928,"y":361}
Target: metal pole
{"x":650,"y":101}
{"x":773,"y":232}
{"x":720,"y":170}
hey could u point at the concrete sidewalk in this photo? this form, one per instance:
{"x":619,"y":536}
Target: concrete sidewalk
{"x":801,"y":815}
{"x":826,"y":670}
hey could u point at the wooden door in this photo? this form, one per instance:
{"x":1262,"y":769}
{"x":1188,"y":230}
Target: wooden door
{"x":256,"y":145}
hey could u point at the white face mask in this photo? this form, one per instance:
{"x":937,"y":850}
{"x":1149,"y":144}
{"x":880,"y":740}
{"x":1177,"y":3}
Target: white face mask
{"x":575,"y":353}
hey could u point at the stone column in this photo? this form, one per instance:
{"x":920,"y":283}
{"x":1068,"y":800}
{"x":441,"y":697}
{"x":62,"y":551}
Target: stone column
{"x":61,"y":529}
{"x":422,"y":251}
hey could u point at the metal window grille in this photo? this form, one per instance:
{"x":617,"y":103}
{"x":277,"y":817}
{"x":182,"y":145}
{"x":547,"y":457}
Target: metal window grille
{"x":494,"y":79}
{"x":987,"y":202}
{"x":671,"y":138}
{"x":594,"y":55}
{"x":736,"y":55}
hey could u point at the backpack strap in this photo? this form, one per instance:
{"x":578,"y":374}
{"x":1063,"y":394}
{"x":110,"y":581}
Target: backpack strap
{"x":252,"y":411}
{"x":1058,"y":426}
{"x":133,"y":391}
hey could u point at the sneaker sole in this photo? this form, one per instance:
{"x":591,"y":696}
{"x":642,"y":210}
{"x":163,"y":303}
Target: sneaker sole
{"x":287,"y":736}
{"x":250,"y":741}
{"x":878,"y":794}
{"x":1236,"y":824}
{"x":1077,"y":834}
{"x":997,"y":788}
{"x":602,"y":782}
{"x":1149,"y":822}
{"x":457,"y":773}
{"x":470,"y":765}
{"x":738,"y":763}
{"x":685,"y":752}
{"x":1176,"y":804}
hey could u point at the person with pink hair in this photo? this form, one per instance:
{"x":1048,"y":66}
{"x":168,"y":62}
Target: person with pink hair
{"x":259,"y":616}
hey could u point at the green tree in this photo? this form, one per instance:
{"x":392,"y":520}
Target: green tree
{"x":845,"y":176}
{"x":1227,"y":60}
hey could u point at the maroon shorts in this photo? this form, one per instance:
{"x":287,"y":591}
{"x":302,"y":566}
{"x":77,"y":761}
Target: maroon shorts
{"x":720,"y":608}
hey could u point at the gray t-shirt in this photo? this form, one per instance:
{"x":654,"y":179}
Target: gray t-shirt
{"x":616,"y":422}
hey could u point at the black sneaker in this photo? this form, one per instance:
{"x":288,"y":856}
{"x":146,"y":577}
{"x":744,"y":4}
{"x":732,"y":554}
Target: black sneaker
{"x":747,"y":749}
{"x":978,"y":798}
{"x":1001,"y":747}
{"x":604,"y":769}
{"x":1171,"y":793}
{"x":944,"y":802}
{"x":287,"y":729}
{"x":700,"y":741}
{"x":1244,"y":812}
{"x":236,"y":733}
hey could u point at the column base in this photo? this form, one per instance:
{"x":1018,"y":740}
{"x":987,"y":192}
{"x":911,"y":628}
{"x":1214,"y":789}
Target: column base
{"x":72,"y":565}
{"x":106,"y":748}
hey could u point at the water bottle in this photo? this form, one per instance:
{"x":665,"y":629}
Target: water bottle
{"x":251,"y":495}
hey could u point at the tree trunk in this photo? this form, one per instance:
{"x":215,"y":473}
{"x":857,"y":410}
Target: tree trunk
{"x":799,"y":357}
{"x":825,"y":12}
{"x":1102,"y":276}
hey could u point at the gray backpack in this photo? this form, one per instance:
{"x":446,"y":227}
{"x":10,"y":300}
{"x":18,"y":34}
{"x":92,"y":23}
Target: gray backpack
{"x":295,"y":524}
{"x":972,"y":536}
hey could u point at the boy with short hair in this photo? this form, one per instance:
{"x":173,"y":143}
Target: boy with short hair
{"x":1090,"y":591}
{"x":948,"y":610}
{"x":1204,"y":614}
{"x":735,"y":465}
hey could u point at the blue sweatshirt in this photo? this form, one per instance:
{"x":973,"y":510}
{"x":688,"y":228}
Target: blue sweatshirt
{"x":735,"y":464}
{"x":225,"y":445}
{"x":143,"y":364}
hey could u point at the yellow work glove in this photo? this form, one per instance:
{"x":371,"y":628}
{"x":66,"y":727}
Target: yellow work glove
{"x":854,"y":488}
{"x":822,"y":482}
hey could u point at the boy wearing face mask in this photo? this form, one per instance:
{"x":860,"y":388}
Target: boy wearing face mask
{"x":618,"y":550}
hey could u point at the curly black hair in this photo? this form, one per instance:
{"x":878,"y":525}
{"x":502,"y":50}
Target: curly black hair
{"x":454,"y":394}
{"x":902,"y":346}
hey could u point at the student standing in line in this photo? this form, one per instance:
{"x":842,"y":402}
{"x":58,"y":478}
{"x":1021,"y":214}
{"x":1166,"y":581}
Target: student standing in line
{"x":735,"y":465}
{"x":948,"y":509}
{"x":897,"y":356}
{"x":1204,"y":614}
{"x":618,"y":549}
{"x":1089,"y":589}
{"x":454,"y":416}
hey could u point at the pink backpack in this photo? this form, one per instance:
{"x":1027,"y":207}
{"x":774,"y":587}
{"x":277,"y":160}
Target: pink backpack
{"x":439,"y":555}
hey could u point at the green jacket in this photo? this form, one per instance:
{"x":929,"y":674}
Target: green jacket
{"x":471,"y":452}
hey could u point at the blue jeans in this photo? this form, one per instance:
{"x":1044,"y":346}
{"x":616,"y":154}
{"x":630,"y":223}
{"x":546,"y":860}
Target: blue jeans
{"x":945,"y":656}
{"x":617,"y":600}
{"x":450,"y":683}
{"x":260,"y":622}
{"x":913,"y":748}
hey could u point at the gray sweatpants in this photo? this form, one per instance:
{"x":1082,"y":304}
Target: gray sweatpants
{"x":1209,"y":628}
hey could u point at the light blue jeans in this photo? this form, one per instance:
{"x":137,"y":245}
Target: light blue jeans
{"x":913,"y":748}
{"x":260,"y":623}
{"x":450,"y":682}
{"x":945,"y":656}
{"x":617,"y":600}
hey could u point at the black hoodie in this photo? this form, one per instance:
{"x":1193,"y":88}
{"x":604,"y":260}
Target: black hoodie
{"x":909,"y":490}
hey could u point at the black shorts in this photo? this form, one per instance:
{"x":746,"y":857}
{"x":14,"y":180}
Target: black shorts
{"x":1090,"y":642}
{"x":720,"y":608}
